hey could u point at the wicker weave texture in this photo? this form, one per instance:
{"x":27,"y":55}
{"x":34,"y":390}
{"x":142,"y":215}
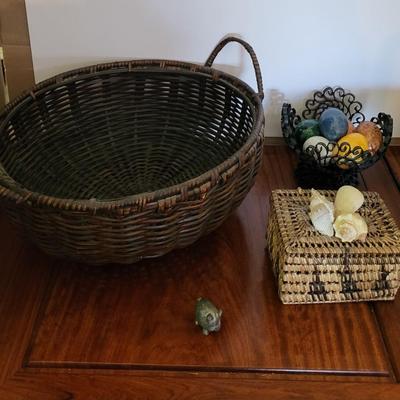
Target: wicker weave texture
{"x":129,"y":160}
{"x":313,"y":268}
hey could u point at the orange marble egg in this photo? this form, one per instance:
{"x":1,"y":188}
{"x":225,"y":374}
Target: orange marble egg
{"x":372,"y":133}
{"x":350,"y":128}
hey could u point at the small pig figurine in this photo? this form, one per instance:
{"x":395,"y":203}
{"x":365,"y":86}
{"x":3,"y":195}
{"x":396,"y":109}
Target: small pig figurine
{"x":208,"y":316}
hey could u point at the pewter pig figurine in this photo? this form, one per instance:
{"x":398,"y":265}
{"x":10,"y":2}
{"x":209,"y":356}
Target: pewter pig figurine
{"x":208,"y":316}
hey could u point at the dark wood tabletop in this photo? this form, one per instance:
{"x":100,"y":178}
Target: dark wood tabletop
{"x":70,"y":331}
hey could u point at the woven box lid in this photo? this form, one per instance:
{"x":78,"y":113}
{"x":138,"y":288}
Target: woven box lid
{"x":311,"y":267}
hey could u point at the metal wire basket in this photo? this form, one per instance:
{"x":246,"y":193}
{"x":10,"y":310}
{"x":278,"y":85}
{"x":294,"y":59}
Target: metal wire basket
{"x":329,"y":166}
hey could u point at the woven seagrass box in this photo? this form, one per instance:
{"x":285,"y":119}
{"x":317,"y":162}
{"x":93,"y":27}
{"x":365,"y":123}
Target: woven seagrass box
{"x":313,"y":268}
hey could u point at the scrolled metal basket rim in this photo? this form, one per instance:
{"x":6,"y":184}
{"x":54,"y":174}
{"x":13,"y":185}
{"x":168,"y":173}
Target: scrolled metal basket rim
{"x":290,"y":118}
{"x":12,"y":190}
{"x":332,"y":150}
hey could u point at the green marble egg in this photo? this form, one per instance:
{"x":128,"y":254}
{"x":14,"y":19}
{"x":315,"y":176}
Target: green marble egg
{"x":306,"y":129}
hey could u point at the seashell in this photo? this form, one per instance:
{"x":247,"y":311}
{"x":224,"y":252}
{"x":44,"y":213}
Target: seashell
{"x":348,"y":200}
{"x":350,"y":227}
{"x":317,"y":198}
{"x":321,"y":213}
{"x":322,"y":220}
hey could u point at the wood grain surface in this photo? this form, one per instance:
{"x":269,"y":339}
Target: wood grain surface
{"x":105,"y":387}
{"x":144,"y":315}
{"x":78,"y":332}
{"x":382,"y":179}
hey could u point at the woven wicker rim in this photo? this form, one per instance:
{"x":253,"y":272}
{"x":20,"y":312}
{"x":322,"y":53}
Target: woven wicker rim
{"x":11,"y":189}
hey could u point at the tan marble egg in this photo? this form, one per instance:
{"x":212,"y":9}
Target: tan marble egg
{"x":372,"y":133}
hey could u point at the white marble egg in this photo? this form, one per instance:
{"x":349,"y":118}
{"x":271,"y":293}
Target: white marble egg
{"x":320,"y":148}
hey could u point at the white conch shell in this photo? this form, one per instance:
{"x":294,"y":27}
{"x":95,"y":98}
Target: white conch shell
{"x":350,"y":227}
{"x":321,"y":213}
{"x":348,"y":200}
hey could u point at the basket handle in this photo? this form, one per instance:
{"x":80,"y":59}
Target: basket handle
{"x":251,"y":52}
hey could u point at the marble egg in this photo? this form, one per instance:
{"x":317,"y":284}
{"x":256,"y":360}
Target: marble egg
{"x":353,"y":140}
{"x":333,"y":124}
{"x":306,"y":129}
{"x":351,"y":128}
{"x":317,"y":146}
{"x":372,"y":133}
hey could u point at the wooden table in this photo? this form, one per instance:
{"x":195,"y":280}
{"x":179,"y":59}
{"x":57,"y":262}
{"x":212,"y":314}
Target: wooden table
{"x":70,"y":331}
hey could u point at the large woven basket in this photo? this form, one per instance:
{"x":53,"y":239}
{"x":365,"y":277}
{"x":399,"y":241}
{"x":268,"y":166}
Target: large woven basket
{"x":314,"y":268}
{"x":129,"y":160}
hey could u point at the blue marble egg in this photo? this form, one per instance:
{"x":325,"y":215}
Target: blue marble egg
{"x":333,"y":124}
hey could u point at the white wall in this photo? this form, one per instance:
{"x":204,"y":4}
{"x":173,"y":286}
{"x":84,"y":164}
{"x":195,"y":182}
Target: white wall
{"x":301,"y":45}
